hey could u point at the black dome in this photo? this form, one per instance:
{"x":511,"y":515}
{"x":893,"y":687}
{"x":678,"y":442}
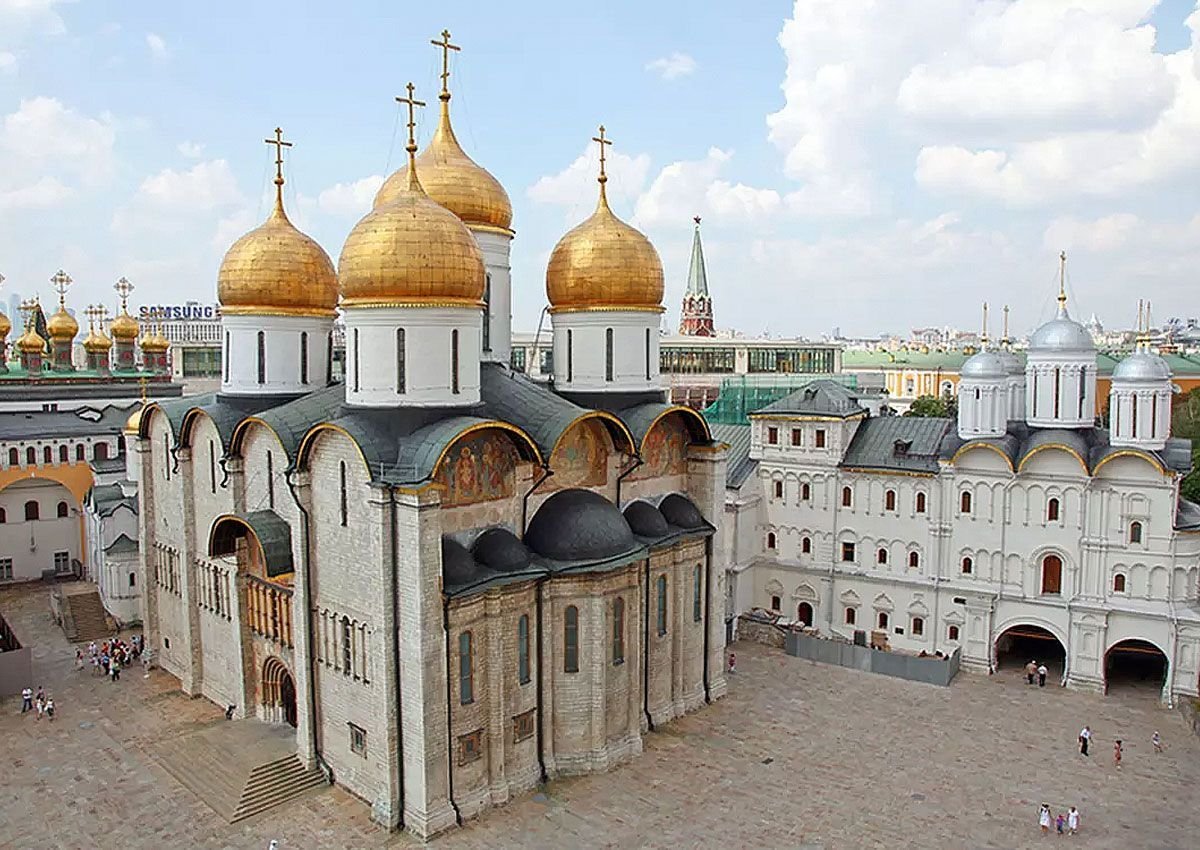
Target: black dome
{"x":646,"y":520}
{"x":458,"y":567}
{"x":499,"y":549}
{"x":680,"y":512}
{"x":579,"y":525}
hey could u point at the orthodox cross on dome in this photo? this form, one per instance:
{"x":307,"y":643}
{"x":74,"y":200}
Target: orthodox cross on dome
{"x":412,"y":103}
{"x":123,"y":288}
{"x":1004,"y":340}
{"x":94,"y":312}
{"x":279,"y":144}
{"x":1062,"y":279}
{"x":60,"y":282}
{"x":983,"y":337}
{"x":602,"y":142}
{"x":27,"y":308}
{"x":446,"y":47}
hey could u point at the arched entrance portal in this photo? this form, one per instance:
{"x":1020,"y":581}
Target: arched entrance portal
{"x":278,"y":693}
{"x":1019,"y":644}
{"x":1135,"y":665}
{"x":804,"y":613}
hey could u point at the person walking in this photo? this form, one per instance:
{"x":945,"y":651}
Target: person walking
{"x":1044,"y":818}
{"x":1042,"y":671}
{"x":40,"y":704}
{"x":26,"y":699}
{"x":114,"y":669}
{"x":50,"y":709}
{"x":1118,"y":750}
{"x":1072,"y":821}
{"x":78,"y":659}
{"x":1030,"y":671}
{"x":1085,"y":738}
{"x":1156,"y":740}
{"x":732,"y":663}
{"x":1060,"y":823}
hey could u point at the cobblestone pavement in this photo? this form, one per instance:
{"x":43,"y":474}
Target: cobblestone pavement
{"x":796,"y":754}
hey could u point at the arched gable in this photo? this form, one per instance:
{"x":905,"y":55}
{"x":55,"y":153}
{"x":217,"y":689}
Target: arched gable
{"x":982,"y":456}
{"x":581,"y":455}
{"x":1129,"y":463}
{"x":1055,"y":459}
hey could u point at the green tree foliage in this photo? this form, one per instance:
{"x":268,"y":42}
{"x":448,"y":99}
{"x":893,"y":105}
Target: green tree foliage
{"x":1185,"y":422}
{"x":934,"y":407}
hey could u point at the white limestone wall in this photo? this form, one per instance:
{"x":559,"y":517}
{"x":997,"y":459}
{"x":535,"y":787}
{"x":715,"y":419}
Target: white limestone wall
{"x":372,"y":355}
{"x":31,"y":544}
{"x":284,"y":339}
{"x":580,"y":350}
{"x":983,"y":408}
{"x":1139,"y":415}
{"x":495,"y":248}
{"x":1060,"y":389}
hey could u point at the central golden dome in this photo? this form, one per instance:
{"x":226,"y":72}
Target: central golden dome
{"x":96,"y":341}
{"x":277,"y":270}
{"x":604,"y":264}
{"x":62,"y":326}
{"x":410,"y":251}
{"x":124,"y":327}
{"x":31,"y":342}
{"x":454,"y":180}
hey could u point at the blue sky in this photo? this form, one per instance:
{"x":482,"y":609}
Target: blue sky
{"x":863,"y":165}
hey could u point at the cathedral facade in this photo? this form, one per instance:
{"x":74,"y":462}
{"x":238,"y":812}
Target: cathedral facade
{"x":1020,"y":531}
{"x":454,"y":581}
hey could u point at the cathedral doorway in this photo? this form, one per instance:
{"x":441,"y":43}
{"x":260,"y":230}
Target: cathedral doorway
{"x":1020,"y":644}
{"x":278,"y":693}
{"x":1136,"y":666}
{"x":287,"y":699}
{"x":804,"y":613}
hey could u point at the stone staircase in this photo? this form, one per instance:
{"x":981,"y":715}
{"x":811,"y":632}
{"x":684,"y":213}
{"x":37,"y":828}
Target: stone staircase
{"x":238,"y":768}
{"x":84,"y":618}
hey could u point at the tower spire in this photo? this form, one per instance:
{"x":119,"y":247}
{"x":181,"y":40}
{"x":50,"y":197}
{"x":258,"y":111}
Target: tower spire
{"x":983,"y":337}
{"x":412,"y":103}
{"x":603,"y":178}
{"x":279,"y":144}
{"x":695,"y":317}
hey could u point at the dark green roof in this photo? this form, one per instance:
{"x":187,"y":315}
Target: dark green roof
{"x":741,"y":466}
{"x":818,"y":398}
{"x":273,"y":533}
{"x":123,"y":545}
{"x":901,"y":443}
{"x":513,"y":397}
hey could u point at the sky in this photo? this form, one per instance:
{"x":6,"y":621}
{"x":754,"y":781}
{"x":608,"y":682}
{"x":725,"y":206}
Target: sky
{"x":867,"y":165}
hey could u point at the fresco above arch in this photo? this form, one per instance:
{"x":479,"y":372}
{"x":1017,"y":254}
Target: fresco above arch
{"x":581,"y":457}
{"x":480,"y":468}
{"x":664,"y":451}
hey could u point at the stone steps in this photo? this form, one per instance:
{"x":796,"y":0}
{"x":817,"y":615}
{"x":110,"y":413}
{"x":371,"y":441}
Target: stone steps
{"x":87,"y":614}
{"x":274,"y":783}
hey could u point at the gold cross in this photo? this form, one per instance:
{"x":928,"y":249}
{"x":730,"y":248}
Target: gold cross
{"x":1062,"y":278}
{"x":60,"y":282}
{"x":412,"y":121}
{"x":27,"y":307}
{"x":123,"y":288}
{"x":279,"y":144}
{"x":603,"y":141}
{"x":446,"y":48}
{"x":93,"y":313}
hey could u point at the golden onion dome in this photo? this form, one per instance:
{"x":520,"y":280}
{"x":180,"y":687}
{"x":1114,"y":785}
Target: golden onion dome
{"x":62,"y":326}
{"x":154,"y":342}
{"x":454,"y":180}
{"x":96,"y":341}
{"x":134,"y":423}
{"x":124,"y":327}
{"x":604,"y":263}
{"x":31,"y":342}
{"x":275,"y":269}
{"x":5,"y":326}
{"x":411,"y":251}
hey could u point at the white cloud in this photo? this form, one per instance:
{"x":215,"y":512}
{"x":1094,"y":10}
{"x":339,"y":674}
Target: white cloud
{"x":8,"y":63}
{"x":575,"y":186}
{"x":673,"y":67}
{"x":44,"y":133}
{"x":687,"y":188}
{"x":165,"y":199}
{"x":191,"y":150}
{"x":158,"y":47}
{"x":46,"y":192}
{"x":19,"y":17}
{"x":346,"y":199}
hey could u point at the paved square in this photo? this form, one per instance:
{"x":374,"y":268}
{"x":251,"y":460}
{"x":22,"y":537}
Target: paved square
{"x":796,"y":753}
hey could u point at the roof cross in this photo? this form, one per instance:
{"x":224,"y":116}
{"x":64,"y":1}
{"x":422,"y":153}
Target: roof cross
{"x":446,"y":48}
{"x":602,"y":142}
{"x":123,"y":288}
{"x":60,"y":282}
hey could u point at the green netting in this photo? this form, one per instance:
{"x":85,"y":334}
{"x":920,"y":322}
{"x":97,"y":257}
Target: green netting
{"x":742,"y":395}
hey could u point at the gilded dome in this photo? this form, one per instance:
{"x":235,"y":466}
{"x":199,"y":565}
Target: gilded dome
{"x":5,"y":326}
{"x":454,"y":180}
{"x":604,"y":263}
{"x":411,"y":250}
{"x":134,"y":423}
{"x":154,"y":341}
{"x":62,"y":326}
{"x":124,"y":327}
{"x":97,"y":341}
{"x":31,"y":341}
{"x":276,"y":269}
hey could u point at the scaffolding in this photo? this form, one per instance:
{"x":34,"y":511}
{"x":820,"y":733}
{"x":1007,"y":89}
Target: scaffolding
{"x":741,"y":395}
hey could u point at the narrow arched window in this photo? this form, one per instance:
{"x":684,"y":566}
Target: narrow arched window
{"x":570,"y":354}
{"x":662,"y":605}
{"x":805,"y":545}
{"x":882,"y":620}
{"x":226,"y":357}
{"x":1135,"y":532}
{"x":952,"y":633}
{"x":608,"y":354}
{"x":61,"y":510}
{"x":454,"y":361}
{"x":167,"y":456}
{"x":64,"y":453}
{"x":1057,"y":391}
{"x":847,"y":497}
{"x":914,"y":559}
{"x":262,"y":357}
{"x":47,"y":455}
{"x":523,"y":649}
{"x":1052,"y":574}
{"x":918,"y":626}
{"x":78,"y":451}
{"x":132,"y":580}
{"x":1118,"y":583}
{"x":401,"y":363}
{"x":968,"y":566}
{"x":3,"y":516}
{"x":31,"y":511}
{"x":342,"y":494}
{"x":466,"y":679}
{"x":270,"y":481}
{"x":964,"y":503}
{"x":920,"y":507}
{"x":881,"y":556}
{"x":778,"y":489}
{"x":618,"y":631}
{"x":697,"y":604}
{"x":101,"y":451}
{"x":889,"y":500}
{"x":487,"y":313}
{"x":770,"y":539}
{"x":805,"y":492}
{"x":357,"y":377}
{"x":1082,"y":389}
{"x":347,"y":644}
{"x":571,"y":639}
{"x":304,"y":357}
{"x":31,"y":456}
{"x":329,"y":357}
{"x":212,"y":467}
{"x":14,"y":457}
{"x":1052,"y":510}
{"x":851,"y":616}
{"x":647,"y":354}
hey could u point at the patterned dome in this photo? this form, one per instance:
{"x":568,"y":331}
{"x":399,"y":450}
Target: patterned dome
{"x":124,"y":328}
{"x":62,"y":326}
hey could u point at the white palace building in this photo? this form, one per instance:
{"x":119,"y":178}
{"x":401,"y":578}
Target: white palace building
{"x":1022,"y":531}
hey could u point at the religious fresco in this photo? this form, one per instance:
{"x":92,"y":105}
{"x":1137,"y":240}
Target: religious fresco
{"x":581,"y":459}
{"x":665,"y":449}
{"x":480,"y":468}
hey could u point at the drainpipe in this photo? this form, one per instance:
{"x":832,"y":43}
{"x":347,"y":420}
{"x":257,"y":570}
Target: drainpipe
{"x":449,"y":719}
{"x":305,"y":520}
{"x":1067,"y":648}
{"x":704,"y":615}
{"x":541,"y":745}
{"x":637,"y":461}
{"x":937,"y":598}
{"x":1174,"y":652}
{"x":646,"y":650}
{"x":395,"y":594}
{"x":546,"y":473}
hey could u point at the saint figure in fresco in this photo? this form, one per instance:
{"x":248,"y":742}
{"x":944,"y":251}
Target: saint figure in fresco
{"x":466,"y":478}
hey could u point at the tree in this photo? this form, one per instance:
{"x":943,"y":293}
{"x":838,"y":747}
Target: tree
{"x":932,"y":406}
{"x":1185,"y":423}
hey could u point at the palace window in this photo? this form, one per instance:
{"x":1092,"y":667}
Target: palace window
{"x":662,"y":605}
{"x":132,"y":580}
{"x":918,"y":626}
{"x":820,"y":438}
{"x":1118,"y":583}
{"x":1052,"y":574}
{"x":466,"y":680}
{"x":304,"y":357}
{"x":889,"y":500}
{"x":881,"y":620}
{"x":226,"y":358}
{"x":776,"y":603}
{"x":881,"y":556}
{"x":697,"y":604}
{"x":100,"y":451}
{"x":608,"y":354}
{"x":772,"y":435}
{"x":487,"y":313}
{"x":771,"y":540}
{"x":357,"y":381}
{"x":618,"y":631}
{"x":796,"y":436}
{"x":14,"y":457}
{"x":952,"y":633}
{"x":968,"y":566}
{"x":347,"y":647}
{"x":647,"y":354}
{"x":571,"y":640}
{"x":847,"y":551}
{"x":920,"y":508}
{"x":1135,"y":532}
{"x":523,"y":725}
{"x":964,"y":503}
{"x":805,"y":545}
{"x":167,"y":456}
{"x":523,"y":650}
{"x":454,"y":388}
{"x":31,"y":511}
{"x":6,"y":569}
{"x":914,"y":559}
{"x":805,"y":492}
{"x":64,"y":453}
{"x":262,"y":357}
{"x":570,"y":354}
{"x":212,"y":467}
{"x":778,"y":489}
{"x":850,"y":616}
{"x":47,"y":455}
{"x":31,"y":456}
{"x":342,"y":496}
{"x":847,"y":497}
{"x":78,"y":451}
{"x":270,"y":481}
{"x":1052,"y":510}
{"x":358,"y":740}
{"x":3,"y":516}
{"x":1057,"y":389}
{"x":401,"y":364}
{"x":62,"y":511}
{"x":470,"y":747}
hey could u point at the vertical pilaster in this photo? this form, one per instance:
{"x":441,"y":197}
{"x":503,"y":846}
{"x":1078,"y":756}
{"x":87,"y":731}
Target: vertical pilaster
{"x":306,"y":743}
{"x":145,"y":496}
{"x":495,"y":683}
{"x":192,"y":673}
{"x":706,"y":487}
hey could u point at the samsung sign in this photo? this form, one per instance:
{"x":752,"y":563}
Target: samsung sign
{"x":180,"y":312}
